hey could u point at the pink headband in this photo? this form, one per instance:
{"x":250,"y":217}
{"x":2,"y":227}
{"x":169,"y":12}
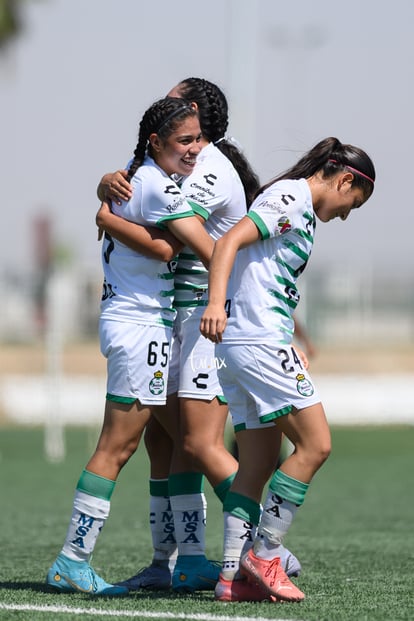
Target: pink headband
{"x":358,"y":172}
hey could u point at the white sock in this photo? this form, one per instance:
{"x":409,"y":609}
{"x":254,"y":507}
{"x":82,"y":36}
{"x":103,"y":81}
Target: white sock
{"x":190,"y":513}
{"x":238,"y":539}
{"x":277,"y":516}
{"x":89,"y":515}
{"x":162,"y":529}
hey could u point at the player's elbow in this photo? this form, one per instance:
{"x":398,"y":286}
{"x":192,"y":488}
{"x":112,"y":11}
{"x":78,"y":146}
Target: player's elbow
{"x":166,"y":253}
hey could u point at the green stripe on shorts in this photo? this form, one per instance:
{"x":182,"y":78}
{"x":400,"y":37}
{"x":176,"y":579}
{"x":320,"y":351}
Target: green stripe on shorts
{"x":267,"y":418}
{"x":119,"y":399}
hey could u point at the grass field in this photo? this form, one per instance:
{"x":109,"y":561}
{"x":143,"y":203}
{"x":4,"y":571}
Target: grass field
{"x":354,"y":535}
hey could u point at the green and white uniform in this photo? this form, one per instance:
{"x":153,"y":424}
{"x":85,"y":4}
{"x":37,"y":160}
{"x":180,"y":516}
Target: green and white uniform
{"x":137,"y":312}
{"x":216,"y":193}
{"x":262,"y":377}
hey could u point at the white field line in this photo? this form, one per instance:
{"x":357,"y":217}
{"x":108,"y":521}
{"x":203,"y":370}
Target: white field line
{"x":138,"y":614}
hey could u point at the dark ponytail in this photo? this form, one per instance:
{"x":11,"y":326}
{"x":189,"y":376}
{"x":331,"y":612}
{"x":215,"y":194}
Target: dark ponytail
{"x":329,"y":156}
{"x":214,"y":119}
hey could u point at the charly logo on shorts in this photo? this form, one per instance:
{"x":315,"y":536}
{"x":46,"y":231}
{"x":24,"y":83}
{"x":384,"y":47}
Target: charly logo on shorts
{"x":157,"y":384}
{"x":304,"y":386}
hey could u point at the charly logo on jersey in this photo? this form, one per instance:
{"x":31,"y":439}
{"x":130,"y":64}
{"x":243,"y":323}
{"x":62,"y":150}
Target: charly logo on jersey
{"x":210,"y":178}
{"x":171,"y":189}
{"x":157,"y":384}
{"x":108,"y":291}
{"x":304,"y":386}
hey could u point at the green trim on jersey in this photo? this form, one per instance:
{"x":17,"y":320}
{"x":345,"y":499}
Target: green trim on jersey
{"x":264,"y":231}
{"x":190,"y":304}
{"x":296,"y":250}
{"x":188,"y":256}
{"x":188,"y":272}
{"x":166,"y":276}
{"x":304,"y":235}
{"x":167,"y":294}
{"x":286,"y":282}
{"x":185,"y":214}
{"x":222,"y":400}
{"x":168,"y":323}
{"x":189,"y":287}
{"x":279,"y":296}
{"x":280,"y":311}
{"x":118,"y":399}
{"x":198,"y":209}
{"x":288,"y":268}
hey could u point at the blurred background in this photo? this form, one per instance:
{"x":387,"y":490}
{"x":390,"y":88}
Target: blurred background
{"x":75,"y":80}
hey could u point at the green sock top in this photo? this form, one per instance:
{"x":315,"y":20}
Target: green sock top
{"x":159,"y":487}
{"x":242,"y":507}
{"x":288,"y":488}
{"x":95,"y":485}
{"x":185,"y":483}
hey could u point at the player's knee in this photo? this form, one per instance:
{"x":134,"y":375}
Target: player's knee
{"x":312,"y":457}
{"x":197,"y":451}
{"x":321,"y":453}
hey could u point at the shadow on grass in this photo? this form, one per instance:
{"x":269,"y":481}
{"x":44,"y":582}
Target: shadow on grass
{"x":41,"y":587}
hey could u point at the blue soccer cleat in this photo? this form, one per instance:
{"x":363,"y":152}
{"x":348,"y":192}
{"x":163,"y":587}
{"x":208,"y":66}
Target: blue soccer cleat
{"x":195,"y":573}
{"x":69,"y":576}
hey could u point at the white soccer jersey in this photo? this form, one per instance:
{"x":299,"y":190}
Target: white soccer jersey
{"x":216,"y":193}
{"x":262,"y":293}
{"x":138,"y":288}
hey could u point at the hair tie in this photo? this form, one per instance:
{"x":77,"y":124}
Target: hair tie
{"x":216,"y":142}
{"x":355,"y":170}
{"x":170,"y":116}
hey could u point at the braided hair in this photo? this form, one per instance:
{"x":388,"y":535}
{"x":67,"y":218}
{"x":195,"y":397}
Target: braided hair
{"x":330,"y":156}
{"x":162,"y":118}
{"x":214,"y":119}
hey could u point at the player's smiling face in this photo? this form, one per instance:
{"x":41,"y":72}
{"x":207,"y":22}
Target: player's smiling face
{"x":178,"y":153}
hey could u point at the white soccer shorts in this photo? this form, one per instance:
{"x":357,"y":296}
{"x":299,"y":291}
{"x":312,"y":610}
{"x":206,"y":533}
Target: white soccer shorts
{"x":263,"y":382}
{"x":193,"y":361}
{"x":137,"y":360}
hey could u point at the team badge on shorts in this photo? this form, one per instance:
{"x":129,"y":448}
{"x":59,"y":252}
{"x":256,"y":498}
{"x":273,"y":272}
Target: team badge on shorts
{"x":304,"y":386}
{"x":157,"y":384}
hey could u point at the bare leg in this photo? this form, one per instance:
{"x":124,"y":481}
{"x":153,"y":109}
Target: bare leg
{"x":120,"y":435}
{"x":202,"y":432}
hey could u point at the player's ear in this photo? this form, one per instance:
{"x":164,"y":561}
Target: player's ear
{"x":345,"y":179}
{"x":155,"y":142}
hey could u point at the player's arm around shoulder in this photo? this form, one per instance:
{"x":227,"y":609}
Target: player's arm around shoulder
{"x":191,"y":232}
